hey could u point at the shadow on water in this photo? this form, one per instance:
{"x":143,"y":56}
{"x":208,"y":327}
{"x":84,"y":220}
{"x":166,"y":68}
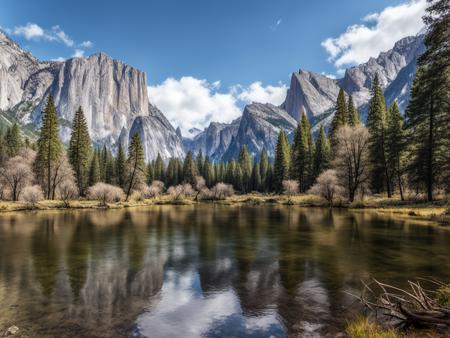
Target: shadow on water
{"x":203,"y":270}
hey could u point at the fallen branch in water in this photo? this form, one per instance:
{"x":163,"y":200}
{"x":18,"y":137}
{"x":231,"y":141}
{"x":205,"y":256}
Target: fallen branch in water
{"x":413,"y":307}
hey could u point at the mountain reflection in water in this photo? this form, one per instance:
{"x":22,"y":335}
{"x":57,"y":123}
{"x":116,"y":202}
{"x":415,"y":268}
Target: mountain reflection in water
{"x":206,"y":270}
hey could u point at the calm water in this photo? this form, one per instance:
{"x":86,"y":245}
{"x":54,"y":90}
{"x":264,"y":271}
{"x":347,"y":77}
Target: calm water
{"x":191,"y":271}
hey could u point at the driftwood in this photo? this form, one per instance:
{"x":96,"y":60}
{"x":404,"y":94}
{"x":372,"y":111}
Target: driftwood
{"x":413,"y":307}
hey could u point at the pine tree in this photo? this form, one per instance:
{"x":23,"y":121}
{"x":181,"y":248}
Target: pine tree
{"x":282,"y":161}
{"x":150,"y":173}
{"x":159,"y":171}
{"x":322,"y":154}
{"x":199,"y":160}
{"x":120,"y":166}
{"x":353,"y":117}
{"x":14,"y":141}
{"x":340,"y":116}
{"x":302,"y":154}
{"x":208,"y":172}
{"x":395,"y":144}
{"x":376,"y":124}
{"x":264,"y":168}
{"x":110,"y":168}
{"x":102,"y":160}
{"x":427,"y":123}
{"x":172,"y":173}
{"x":256,"y":177}
{"x":94,"y":170}
{"x":80,"y":150}
{"x":135,"y":164}
{"x":49,"y":147}
{"x":189,"y":169}
{"x":245,"y":162}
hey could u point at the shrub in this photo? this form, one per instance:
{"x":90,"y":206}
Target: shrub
{"x":327,"y":186}
{"x":153,"y":190}
{"x":221,"y":191}
{"x":32,"y":195}
{"x":290,"y":187}
{"x":16,"y":175}
{"x":67,"y":191}
{"x":180,"y":191}
{"x":105,"y":193}
{"x":363,"y":328}
{"x":137,"y":195}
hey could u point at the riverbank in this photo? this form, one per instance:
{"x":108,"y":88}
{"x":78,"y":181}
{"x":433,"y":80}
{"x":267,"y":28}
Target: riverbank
{"x":437,"y":211}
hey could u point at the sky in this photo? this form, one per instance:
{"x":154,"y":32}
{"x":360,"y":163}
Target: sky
{"x":206,"y":59}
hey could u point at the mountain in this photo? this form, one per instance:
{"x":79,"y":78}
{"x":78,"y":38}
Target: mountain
{"x":317,"y":94}
{"x":214,"y":140}
{"x":258,"y":130}
{"x":113,"y":96}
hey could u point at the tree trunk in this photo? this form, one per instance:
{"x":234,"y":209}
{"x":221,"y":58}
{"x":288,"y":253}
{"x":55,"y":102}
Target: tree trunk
{"x":430,"y":173}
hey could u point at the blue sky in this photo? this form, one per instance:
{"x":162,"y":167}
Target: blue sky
{"x":226,"y":46}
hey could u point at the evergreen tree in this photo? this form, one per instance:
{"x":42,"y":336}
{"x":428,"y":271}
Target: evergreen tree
{"x":208,"y":172}
{"x":322,"y":154}
{"x":49,"y":147}
{"x":189,"y":169}
{"x":282,"y":161}
{"x":102,"y":160}
{"x":245,"y":162}
{"x":135,"y":164}
{"x":340,"y":116}
{"x":428,"y":123}
{"x":110,"y":168}
{"x":80,"y":150}
{"x":14,"y":141}
{"x":353,"y":117}
{"x":376,"y":124}
{"x":230,"y":172}
{"x":150,"y":173}
{"x":256,"y":177}
{"x":302,"y":154}
{"x":172,"y":173}
{"x":395,"y":144}
{"x":94,"y":170}
{"x":199,"y":160}
{"x":264,"y":168}
{"x":120,"y":166}
{"x":159,"y":171}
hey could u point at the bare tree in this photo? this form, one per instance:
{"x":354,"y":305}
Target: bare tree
{"x":153,"y":190}
{"x":180,"y":191}
{"x":200,"y":185}
{"x":351,"y":158}
{"x":67,"y":191}
{"x":221,"y":191}
{"x":32,"y":195}
{"x":290,"y":187}
{"x":327,"y":186}
{"x":105,"y":193}
{"x":16,"y":174}
{"x":61,"y":172}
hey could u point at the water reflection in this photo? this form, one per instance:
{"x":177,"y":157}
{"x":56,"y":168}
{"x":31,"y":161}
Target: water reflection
{"x":202,"y":270}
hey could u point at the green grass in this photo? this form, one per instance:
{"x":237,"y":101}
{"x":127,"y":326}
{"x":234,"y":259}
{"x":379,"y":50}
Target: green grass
{"x":363,"y":328}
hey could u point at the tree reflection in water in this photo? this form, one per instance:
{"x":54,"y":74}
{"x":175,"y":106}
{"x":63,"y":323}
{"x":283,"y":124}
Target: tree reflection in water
{"x":207,"y":270}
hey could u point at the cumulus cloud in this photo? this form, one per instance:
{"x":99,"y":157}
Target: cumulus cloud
{"x":377,"y":33}
{"x":79,"y":53}
{"x":256,"y":92}
{"x":189,"y":102}
{"x":86,"y":44}
{"x":32,"y":31}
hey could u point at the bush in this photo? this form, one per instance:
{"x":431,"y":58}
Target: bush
{"x":32,"y":195}
{"x":105,"y":193}
{"x":67,"y":191}
{"x":327,"y":186}
{"x":290,"y":187}
{"x":153,"y":190}
{"x":137,"y":195}
{"x":221,"y":191}
{"x":180,"y":191}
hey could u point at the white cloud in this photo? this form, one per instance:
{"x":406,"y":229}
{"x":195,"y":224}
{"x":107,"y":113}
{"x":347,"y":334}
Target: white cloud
{"x":87,"y":44}
{"x":59,"y":59}
{"x":30,"y":31}
{"x":62,"y":36}
{"x":256,"y":92}
{"x":378,"y":33}
{"x":79,"y":53}
{"x":331,"y":76}
{"x":195,"y":103}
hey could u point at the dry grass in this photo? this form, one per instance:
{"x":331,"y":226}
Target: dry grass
{"x":363,"y":328}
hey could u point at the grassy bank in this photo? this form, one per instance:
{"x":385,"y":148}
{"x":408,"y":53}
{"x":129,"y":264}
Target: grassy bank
{"x":437,"y":211}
